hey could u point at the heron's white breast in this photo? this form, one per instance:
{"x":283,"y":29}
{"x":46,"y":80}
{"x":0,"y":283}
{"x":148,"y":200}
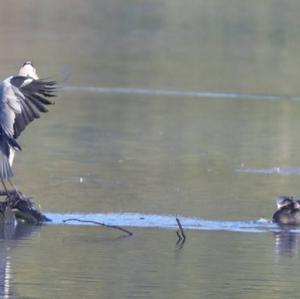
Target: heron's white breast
{"x":11,"y":156}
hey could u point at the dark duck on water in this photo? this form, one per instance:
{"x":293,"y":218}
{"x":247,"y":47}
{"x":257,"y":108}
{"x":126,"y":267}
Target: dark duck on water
{"x":288,"y":211}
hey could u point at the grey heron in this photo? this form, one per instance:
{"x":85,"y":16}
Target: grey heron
{"x":22,"y":98}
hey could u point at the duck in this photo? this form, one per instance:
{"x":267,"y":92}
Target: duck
{"x":288,"y":211}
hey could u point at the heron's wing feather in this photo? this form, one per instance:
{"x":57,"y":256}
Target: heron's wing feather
{"x":9,"y":106}
{"x":33,"y":97}
{"x":21,"y":101}
{"x":5,"y":168}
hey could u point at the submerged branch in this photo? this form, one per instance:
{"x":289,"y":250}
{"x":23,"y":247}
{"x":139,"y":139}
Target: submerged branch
{"x":9,"y":192}
{"x":100,"y":223}
{"x":22,"y":208}
{"x":180,"y":234}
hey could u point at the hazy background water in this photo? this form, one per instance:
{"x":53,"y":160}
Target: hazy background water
{"x":179,"y":120}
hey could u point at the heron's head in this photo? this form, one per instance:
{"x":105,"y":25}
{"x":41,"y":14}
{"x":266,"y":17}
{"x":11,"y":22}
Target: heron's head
{"x":28,"y":70}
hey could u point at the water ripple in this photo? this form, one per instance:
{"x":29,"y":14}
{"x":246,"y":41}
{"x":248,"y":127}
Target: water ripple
{"x":281,"y":171}
{"x":179,"y":93}
{"x":140,"y":220}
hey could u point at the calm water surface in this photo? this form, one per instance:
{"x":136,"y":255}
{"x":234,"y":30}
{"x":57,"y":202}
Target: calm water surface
{"x":171,"y":108}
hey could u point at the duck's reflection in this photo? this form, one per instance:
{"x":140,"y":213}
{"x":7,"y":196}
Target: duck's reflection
{"x":287,"y":242}
{"x":10,"y":237}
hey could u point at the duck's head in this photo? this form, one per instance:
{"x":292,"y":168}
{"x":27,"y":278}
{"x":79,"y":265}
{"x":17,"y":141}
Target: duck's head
{"x":28,"y":70}
{"x":284,"y":200}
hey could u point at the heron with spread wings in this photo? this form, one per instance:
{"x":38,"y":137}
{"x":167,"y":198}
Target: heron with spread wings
{"x":22,"y":98}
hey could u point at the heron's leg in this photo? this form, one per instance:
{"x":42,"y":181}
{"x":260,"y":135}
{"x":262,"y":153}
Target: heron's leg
{"x":5,"y":189}
{"x":4,"y":186}
{"x":12,"y":185}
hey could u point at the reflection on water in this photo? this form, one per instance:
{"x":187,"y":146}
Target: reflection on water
{"x":166,"y":100}
{"x":143,"y":258}
{"x":140,"y":220}
{"x":10,"y":237}
{"x":287,"y":242}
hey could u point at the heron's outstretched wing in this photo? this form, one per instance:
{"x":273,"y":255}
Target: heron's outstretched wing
{"x":21,"y":101}
{"x":32,"y":97}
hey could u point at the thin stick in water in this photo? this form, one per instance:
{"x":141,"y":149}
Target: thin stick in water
{"x":181,"y":236}
{"x":100,"y":223}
